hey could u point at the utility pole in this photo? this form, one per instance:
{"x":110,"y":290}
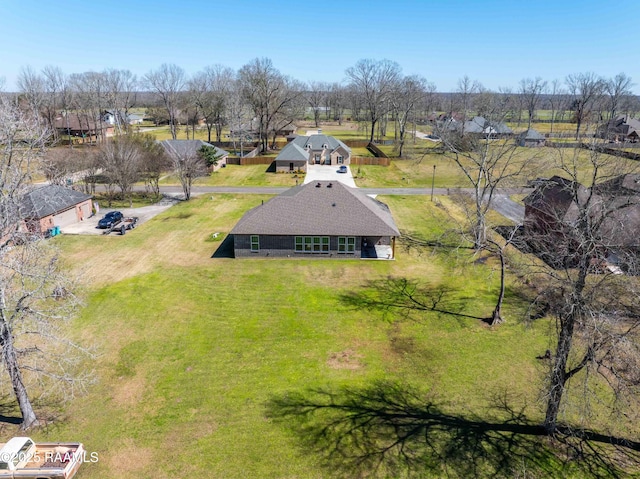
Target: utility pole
{"x":433,"y":179}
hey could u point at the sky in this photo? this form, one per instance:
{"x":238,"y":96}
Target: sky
{"x":495,"y":42}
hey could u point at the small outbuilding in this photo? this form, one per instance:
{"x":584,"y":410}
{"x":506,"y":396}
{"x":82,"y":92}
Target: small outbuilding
{"x":49,"y":206}
{"x":531,"y":138}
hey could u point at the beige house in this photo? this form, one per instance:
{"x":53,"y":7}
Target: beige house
{"x":314,"y":149}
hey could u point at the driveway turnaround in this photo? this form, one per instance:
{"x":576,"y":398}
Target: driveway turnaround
{"x":90,"y":225}
{"x":329,"y":173}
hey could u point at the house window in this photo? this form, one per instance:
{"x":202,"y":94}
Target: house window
{"x":316,"y":159}
{"x":340,"y":160}
{"x":346,"y":244}
{"x":312,"y":244}
{"x":255,"y":243}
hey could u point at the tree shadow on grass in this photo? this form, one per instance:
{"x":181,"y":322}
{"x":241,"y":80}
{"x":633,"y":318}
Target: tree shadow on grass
{"x":408,"y":298}
{"x":392,"y":430}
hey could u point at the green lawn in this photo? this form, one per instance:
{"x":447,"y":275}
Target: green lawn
{"x":193,"y":349}
{"x":235,"y":175}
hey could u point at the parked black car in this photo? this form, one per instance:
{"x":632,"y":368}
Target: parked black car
{"x":110,"y":219}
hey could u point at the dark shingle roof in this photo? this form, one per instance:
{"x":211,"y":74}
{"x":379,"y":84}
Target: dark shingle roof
{"x":182,"y":148}
{"x":49,"y":200}
{"x":310,"y":209}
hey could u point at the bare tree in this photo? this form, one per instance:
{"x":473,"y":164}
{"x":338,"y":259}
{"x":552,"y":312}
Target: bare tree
{"x":90,"y":101}
{"x":337,"y":101}
{"x":120,"y":92}
{"x":154,"y":162}
{"x":556,"y":100}
{"x":486,"y":163}
{"x":239,"y":118}
{"x":585,"y":90}
{"x":531,"y":90}
{"x":188,"y":165}
{"x":31,"y":85}
{"x":317,"y":96}
{"x":35,"y":298}
{"x":268,"y":93}
{"x":617,"y":88}
{"x":121,"y":161}
{"x":579,"y":229}
{"x":374,"y":81}
{"x":167,"y":83}
{"x":409,"y":94}
{"x":209,"y":90}
{"x":463,"y":98}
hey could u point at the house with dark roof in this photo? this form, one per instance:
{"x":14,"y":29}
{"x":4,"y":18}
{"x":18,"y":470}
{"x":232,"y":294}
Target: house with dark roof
{"x":315,"y":149}
{"x":320,"y":219}
{"x":43,"y":208}
{"x":531,"y":138}
{"x":621,"y":129}
{"x":554,"y":207}
{"x":179,"y":149}
{"x":81,"y":125}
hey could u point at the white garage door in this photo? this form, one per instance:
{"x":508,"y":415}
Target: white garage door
{"x":65,"y":218}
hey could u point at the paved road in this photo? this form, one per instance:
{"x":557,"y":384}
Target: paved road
{"x":502,"y":204}
{"x":508,"y":208}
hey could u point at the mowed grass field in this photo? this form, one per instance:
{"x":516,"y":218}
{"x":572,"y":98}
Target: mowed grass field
{"x":192,"y":348}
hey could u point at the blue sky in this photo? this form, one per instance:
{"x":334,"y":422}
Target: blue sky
{"x":495,"y":42}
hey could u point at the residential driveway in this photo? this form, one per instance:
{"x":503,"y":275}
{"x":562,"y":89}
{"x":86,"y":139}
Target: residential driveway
{"x":329,"y":173}
{"x":90,"y":225}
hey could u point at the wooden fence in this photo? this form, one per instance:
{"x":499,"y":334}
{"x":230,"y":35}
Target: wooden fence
{"x":370,"y":160}
{"x":255,"y":160}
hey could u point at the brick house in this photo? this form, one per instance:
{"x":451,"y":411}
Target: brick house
{"x":52,"y":205}
{"x":315,"y":149}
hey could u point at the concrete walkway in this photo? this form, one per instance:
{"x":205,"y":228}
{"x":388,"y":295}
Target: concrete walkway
{"x":329,"y":173}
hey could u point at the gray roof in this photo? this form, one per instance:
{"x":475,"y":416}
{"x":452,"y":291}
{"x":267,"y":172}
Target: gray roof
{"x":182,"y":148}
{"x":298,"y":148}
{"x":49,"y":200}
{"x":531,"y":134}
{"x":480,"y":124}
{"x":293,"y":152}
{"x":331,"y":209}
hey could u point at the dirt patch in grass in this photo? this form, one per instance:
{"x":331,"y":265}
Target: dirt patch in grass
{"x":128,"y":391}
{"x":131,"y":460}
{"x":347,"y":359}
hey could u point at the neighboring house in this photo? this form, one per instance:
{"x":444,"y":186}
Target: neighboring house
{"x":319,"y":219}
{"x":620,"y":129}
{"x":284,"y":131}
{"x":48,"y":206}
{"x":315,"y":149}
{"x":482,"y":127}
{"x":81,"y":125}
{"x":531,"y":138}
{"x":110,"y":116}
{"x":551,"y":211}
{"x":189,"y":148}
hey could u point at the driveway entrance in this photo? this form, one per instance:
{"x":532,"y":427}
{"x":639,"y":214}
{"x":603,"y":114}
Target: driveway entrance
{"x":329,"y":173}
